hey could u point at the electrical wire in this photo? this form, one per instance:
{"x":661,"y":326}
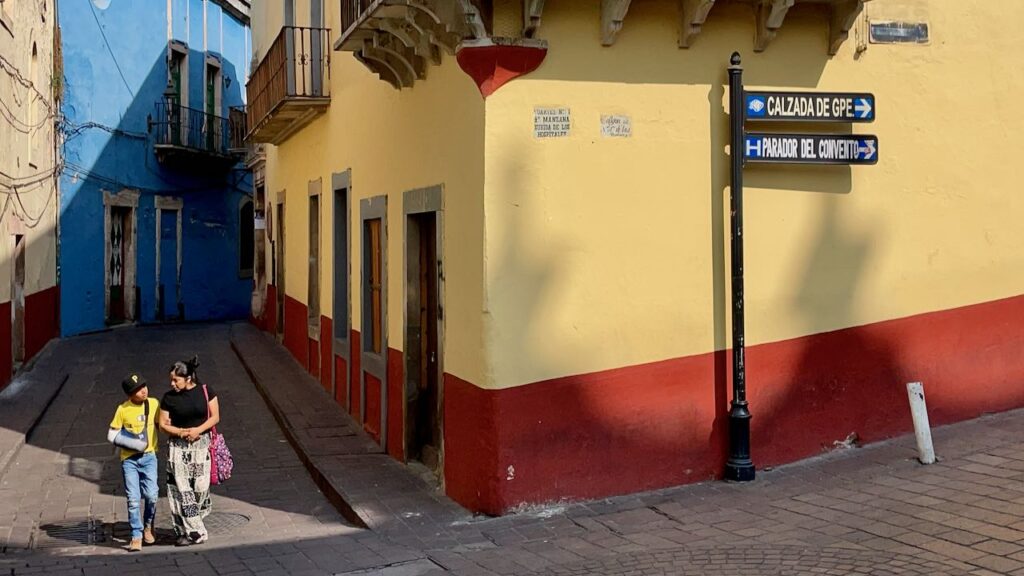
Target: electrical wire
{"x":72,"y":130}
{"x":112,"y":57}
{"x":34,"y":221}
{"x":14,"y":121}
{"x":17,"y":180}
{"x":13,"y":71}
{"x":4,"y":210}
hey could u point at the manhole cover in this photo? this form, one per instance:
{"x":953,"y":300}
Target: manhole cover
{"x":66,"y":534}
{"x":224,"y":522}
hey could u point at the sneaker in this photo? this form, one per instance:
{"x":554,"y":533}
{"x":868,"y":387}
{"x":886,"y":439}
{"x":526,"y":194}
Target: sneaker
{"x":136,"y":545}
{"x":183,"y":541}
{"x":147,"y":535}
{"x":201,"y":539}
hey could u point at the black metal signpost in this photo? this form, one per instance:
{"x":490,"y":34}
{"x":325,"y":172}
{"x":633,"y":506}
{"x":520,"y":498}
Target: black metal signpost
{"x":778,"y":148}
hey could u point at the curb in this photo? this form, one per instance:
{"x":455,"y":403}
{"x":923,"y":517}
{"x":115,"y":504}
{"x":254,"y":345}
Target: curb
{"x":5,"y":460}
{"x":328,"y":490}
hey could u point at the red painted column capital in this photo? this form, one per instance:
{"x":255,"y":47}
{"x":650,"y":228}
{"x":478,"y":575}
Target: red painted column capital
{"x":492,"y":62}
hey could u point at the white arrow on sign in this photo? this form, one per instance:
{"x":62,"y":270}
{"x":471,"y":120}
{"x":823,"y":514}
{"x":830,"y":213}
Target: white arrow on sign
{"x":867,"y":149}
{"x":862,"y":107}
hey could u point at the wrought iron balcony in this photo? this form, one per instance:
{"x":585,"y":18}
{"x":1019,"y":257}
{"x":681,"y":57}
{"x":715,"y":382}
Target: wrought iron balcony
{"x":291,"y":85}
{"x":189,"y":134}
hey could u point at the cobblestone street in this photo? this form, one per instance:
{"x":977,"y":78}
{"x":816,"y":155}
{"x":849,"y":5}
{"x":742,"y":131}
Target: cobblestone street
{"x":871,"y":510}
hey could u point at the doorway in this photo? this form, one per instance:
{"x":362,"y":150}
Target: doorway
{"x":341,"y":183}
{"x":212,"y":97}
{"x":423,"y":329}
{"x":18,"y":302}
{"x":279,"y":266}
{"x":119,"y":263}
{"x":169,"y":305}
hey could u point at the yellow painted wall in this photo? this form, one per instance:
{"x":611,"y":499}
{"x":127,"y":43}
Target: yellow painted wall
{"x":27,"y":155}
{"x":265,"y":19}
{"x":604,"y":253}
{"x":393,"y":142}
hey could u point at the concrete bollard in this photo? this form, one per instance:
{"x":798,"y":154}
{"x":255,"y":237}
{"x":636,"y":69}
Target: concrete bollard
{"x":922,"y":430}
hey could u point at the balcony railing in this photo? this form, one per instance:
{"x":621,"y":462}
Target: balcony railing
{"x":177,"y":126}
{"x":239,"y":126}
{"x":352,"y":11}
{"x":292,"y":80}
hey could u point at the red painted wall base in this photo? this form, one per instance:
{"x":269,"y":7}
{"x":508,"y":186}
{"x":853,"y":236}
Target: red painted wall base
{"x":42,"y":319}
{"x":42,"y":324}
{"x":6,"y":354}
{"x":664,"y":423}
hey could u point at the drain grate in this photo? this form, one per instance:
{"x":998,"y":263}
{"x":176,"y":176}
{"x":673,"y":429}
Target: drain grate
{"x":66,"y":534}
{"x":224,"y":522}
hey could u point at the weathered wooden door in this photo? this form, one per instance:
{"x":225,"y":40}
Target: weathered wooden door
{"x":118,"y":236}
{"x":422,"y":390}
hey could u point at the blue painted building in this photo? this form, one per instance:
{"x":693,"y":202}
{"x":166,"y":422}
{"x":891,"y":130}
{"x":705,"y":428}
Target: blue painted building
{"x":155,"y":206}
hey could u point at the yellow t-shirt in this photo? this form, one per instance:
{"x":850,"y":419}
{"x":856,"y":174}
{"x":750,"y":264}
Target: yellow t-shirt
{"x":133,"y":417}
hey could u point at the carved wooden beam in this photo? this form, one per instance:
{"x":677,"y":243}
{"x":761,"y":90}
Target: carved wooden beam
{"x":770,"y":14}
{"x":472,"y":19}
{"x":412,"y":36}
{"x":437,"y":33}
{"x":844,"y":15}
{"x":405,"y":56}
{"x":532,"y":10}
{"x":613,"y":12}
{"x":372,"y":60}
{"x":404,"y":77}
{"x":695,"y":12}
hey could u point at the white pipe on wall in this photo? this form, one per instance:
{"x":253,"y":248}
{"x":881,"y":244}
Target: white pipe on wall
{"x":922,"y":430}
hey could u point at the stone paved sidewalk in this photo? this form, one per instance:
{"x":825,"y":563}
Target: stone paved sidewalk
{"x":63,"y":486}
{"x":871,"y":510}
{"x":368,"y":486}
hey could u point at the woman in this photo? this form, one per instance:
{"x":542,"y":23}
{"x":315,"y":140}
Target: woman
{"x":186,"y":416}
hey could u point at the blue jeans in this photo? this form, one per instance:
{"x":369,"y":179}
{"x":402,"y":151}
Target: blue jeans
{"x":140,"y":484}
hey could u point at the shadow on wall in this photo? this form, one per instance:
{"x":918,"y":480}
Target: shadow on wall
{"x":110,"y":149}
{"x":571,"y":56}
{"x":39,"y":311}
{"x":666,"y":422}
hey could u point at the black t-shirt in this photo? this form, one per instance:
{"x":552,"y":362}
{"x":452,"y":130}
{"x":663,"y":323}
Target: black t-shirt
{"x":188,"y":407}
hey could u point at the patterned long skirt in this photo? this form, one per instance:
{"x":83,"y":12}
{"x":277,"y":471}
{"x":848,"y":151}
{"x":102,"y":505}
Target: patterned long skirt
{"x":188,"y":485}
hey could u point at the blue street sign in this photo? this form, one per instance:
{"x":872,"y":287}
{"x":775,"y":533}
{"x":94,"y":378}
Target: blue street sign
{"x":809,"y":106}
{"x":811,"y":148}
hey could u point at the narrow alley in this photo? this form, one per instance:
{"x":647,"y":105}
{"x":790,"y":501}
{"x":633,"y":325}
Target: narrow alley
{"x":871,"y":510}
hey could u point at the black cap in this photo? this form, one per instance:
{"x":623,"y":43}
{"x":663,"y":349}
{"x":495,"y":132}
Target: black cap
{"x":132,"y":383}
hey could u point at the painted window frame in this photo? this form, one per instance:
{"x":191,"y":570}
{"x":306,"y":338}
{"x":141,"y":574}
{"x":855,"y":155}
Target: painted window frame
{"x":126,"y":198}
{"x":214,"y":61}
{"x":341,"y":276}
{"x":178,"y":48}
{"x":280,"y":279}
{"x":372,"y":209}
{"x":33,"y":76}
{"x":315,"y":268}
{"x":374,"y":363}
{"x":160,"y":204}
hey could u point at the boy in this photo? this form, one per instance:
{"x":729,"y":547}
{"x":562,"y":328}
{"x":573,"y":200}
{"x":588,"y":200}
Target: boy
{"x":133,"y":428}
